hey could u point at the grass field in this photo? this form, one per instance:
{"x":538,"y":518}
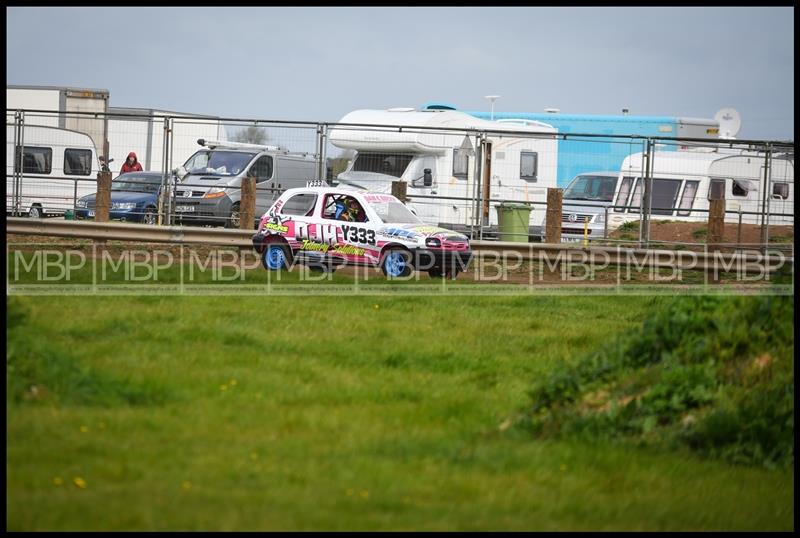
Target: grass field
{"x":335,"y":413}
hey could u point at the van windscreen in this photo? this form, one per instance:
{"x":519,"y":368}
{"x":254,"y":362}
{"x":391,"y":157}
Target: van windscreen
{"x":597,"y":188}
{"x":218,"y":162}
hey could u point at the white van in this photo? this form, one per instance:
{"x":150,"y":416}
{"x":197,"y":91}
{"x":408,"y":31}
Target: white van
{"x":50,"y":169}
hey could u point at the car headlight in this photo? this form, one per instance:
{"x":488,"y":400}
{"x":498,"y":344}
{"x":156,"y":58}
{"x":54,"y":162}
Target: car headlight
{"x":123,"y":205}
{"x":214,"y":192}
{"x":81,"y":203}
{"x":600,"y":218}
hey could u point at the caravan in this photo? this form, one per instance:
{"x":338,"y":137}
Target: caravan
{"x":683,"y":183}
{"x":434,"y":152}
{"x":48,"y":170}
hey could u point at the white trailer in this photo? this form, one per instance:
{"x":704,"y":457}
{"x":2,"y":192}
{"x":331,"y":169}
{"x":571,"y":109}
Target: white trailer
{"x":48,"y":169}
{"x":141,"y":130}
{"x":389,"y":147}
{"x":685,"y":180}
{"x":63,"y":102}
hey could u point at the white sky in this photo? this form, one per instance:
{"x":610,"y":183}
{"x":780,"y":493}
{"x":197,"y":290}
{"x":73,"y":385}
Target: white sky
{"x":320,"y":63}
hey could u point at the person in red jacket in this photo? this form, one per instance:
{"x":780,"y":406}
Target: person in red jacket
{"x":131,"y":164}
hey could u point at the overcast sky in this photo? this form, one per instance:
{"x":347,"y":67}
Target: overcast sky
{"x":320,"y":63}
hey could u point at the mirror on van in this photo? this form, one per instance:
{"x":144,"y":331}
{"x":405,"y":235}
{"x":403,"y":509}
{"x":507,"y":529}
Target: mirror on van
{"x":427,"y":177}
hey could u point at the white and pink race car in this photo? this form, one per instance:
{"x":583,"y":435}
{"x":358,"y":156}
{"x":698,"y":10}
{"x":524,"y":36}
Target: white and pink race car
{"x":325,"y":228}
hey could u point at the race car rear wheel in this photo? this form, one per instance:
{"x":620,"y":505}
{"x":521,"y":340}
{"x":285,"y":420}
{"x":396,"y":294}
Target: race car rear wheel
{"x":396,"y":263}
{"x":275,"y":257}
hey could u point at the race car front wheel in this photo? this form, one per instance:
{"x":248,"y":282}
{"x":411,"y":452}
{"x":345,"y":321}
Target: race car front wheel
{"x":275,"y":257}
{"x":396,"y":263}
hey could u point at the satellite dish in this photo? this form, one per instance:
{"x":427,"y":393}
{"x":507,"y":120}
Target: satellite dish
{"x":730,"y":122}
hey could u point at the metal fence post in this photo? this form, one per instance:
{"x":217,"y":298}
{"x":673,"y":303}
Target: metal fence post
{"x":322,"y":134}
{"x":739,"y":230}
{"x":17,"y":166}
{"x":765,"y":199}
{"x":644,"y":216}
{"x":716,"y":229}
{"x":476,"y":213}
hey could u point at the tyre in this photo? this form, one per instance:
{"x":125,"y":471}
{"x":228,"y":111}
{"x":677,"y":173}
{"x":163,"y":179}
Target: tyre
{"x":35,"y":212}
{"x":396,"y":263}
{"x":275,"y":257}
{"x":150,"y":216}
{"x":233,"y":219}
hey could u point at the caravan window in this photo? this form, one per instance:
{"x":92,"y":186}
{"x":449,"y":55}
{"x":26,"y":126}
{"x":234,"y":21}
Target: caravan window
{"x":636,"y":199}
{"x":780,"y":190}
{"x":528,"y":163}
{"x":741,"y":187}
{"x":687,"y":198}
{"x":624,"y":191}
{"x":35,"y":160}
{"x":78,"y":162}
{"x":664,"y":196}
{"x":392,"y":164}
{"x":716,"y":189}
{"x":460,"y":163}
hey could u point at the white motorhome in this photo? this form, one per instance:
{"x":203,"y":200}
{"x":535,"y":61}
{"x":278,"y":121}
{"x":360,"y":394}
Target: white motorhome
{"x":440,"y":161}
{"x":48,"y":170}
{"x":683,"y":183}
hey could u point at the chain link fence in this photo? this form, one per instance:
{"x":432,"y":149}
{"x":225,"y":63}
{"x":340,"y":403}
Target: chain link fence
{"x":487,"y":179}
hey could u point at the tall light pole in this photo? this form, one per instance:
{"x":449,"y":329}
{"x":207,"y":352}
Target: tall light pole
{"x":492,"y":98}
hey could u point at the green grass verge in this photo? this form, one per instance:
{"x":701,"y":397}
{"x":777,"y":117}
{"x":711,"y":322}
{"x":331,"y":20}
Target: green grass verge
{"x":716,"y":375}
{"x":334,"y":413}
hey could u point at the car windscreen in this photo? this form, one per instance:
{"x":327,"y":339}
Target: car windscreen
{"x":596,"y":188}
{"x":394,"y":213}
{"x":392,"y":164}
{"x":136,"y":183}
{"x":218,"y":162}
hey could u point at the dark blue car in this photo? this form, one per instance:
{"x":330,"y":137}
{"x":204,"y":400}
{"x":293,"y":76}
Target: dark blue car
{"x":134,"y":198}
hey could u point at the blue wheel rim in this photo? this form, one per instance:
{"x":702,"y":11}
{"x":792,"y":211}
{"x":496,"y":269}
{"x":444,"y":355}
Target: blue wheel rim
{"x":395,"y":264}
{"x":275,"y":258}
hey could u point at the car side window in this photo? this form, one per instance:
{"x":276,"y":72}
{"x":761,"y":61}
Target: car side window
{"x":343,"y":208}
{"x":300,"y":205}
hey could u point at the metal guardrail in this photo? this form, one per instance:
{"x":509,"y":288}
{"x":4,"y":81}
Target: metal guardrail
{"x":751,"y":261}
